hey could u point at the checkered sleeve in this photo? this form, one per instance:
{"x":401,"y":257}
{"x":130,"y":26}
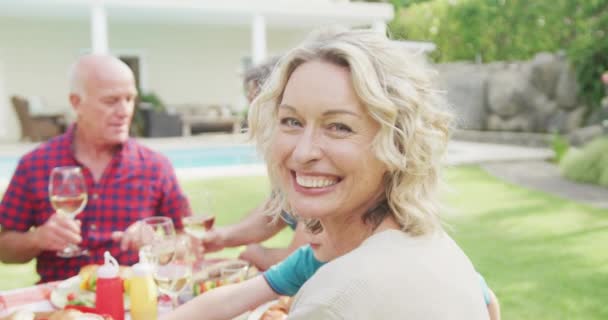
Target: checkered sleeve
{"x":16,"y":206}
{"x":174,"y":203}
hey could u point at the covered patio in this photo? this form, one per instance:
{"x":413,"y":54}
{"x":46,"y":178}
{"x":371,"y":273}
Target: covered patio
{"x":189,"y":52}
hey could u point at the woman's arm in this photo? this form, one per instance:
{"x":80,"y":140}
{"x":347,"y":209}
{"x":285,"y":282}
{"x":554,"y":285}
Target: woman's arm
{"x":225,"y":302}
{"x":263,"y":257}
{"x":494,"y":307}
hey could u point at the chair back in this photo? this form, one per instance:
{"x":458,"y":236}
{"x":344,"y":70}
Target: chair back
{"x":22,"y":109}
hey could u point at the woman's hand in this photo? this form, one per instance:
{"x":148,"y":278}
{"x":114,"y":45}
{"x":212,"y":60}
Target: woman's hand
{"x":214,"y":239}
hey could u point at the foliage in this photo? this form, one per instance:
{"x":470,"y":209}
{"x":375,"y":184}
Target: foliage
{"x":560,"y":146}
{"x":396,"y":3}
{"x":492,"y":30}
{"x":588,"y":52}
{"x":589,"y":164}
{"x":151,"y":99}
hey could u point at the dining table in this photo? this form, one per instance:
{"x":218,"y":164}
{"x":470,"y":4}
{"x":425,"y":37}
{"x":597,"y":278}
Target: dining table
{"x":36,"y":298}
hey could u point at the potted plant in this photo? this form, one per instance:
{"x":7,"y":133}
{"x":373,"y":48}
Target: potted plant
{"x":151,"y":118}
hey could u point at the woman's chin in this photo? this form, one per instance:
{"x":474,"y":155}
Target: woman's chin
{"x":308,"y":212}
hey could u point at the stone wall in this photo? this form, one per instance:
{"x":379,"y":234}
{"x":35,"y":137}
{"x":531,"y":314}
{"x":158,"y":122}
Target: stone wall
{"x":539,"y":95}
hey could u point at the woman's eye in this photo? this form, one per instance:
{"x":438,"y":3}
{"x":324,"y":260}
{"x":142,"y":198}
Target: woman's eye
{"x":290,"y":122}
{"x":339,"y":127}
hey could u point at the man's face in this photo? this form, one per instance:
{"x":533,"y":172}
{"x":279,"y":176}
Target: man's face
{"x":105,"y":107}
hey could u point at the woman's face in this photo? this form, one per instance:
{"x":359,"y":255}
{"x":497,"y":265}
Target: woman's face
{"x":323,"y":144}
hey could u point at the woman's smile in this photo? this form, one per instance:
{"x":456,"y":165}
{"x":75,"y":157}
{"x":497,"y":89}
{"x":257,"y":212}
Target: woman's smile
{"x":314,"y":184}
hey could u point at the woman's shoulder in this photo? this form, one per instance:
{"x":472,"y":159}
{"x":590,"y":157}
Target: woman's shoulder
{"x":412,"y":270}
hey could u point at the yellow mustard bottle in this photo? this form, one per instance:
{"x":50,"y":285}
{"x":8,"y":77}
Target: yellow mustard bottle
{"x":143,"y":292}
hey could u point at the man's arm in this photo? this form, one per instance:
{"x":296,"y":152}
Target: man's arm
{"x":256,"y":227}
{"x":54,"y":235}
{"x":17,"y":247}
{"x":494,"y":307}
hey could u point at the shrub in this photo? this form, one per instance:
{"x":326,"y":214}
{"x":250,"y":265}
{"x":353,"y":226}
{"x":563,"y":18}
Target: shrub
{"x":491,"y":30}
{"x":588,"y":164}
{"x":560,"y":146}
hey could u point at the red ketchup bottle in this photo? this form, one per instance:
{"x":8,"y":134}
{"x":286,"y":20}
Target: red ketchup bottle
{"x":110,"y":299}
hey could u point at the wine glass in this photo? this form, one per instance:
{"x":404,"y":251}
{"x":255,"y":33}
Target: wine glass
{"x":156,"y":234}
{"x":234,"y":272}
{"x":198,"y":224}
{"x":172,"y":277}
{"x":68,"y":196}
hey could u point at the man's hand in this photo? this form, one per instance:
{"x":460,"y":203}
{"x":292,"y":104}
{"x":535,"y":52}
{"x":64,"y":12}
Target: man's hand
{"x":133,"y":237}
{"x":57,"y":233}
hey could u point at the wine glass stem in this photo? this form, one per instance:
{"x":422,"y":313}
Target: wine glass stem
{"x":173,"y":303}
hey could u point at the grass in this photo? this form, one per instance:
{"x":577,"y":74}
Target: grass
{"x":545,"y":257}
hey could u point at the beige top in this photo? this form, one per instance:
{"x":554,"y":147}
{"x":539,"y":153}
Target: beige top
{"x":395,"y":276}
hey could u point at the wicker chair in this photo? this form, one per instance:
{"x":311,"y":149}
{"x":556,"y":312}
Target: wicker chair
{"x":208,"y":118}
{"x":39,"y":127}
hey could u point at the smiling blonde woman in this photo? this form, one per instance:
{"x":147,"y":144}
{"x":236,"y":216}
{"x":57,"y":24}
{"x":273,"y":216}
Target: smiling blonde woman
{"x":354,"y":130}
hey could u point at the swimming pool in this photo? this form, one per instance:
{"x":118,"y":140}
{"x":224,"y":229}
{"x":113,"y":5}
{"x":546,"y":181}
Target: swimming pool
{"x":182,"y":159}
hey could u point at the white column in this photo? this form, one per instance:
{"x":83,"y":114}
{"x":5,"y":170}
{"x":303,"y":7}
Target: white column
{"x":99,"y":28}
{"x":258,"y":39}
{"x":379,"y":26}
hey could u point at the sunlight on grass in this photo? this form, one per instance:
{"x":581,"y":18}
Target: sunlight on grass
{"x":544,"y":256}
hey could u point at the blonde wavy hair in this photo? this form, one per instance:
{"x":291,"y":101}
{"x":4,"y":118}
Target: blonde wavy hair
{"x":399,"y":91}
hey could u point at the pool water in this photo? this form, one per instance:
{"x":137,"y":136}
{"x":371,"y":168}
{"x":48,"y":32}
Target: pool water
{"x":213,"y":157}
{"x":200,"y":157}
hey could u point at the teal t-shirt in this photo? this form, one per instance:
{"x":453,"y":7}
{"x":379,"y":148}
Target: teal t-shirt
{"x":485,"y":290}
{"x":286,"y":277}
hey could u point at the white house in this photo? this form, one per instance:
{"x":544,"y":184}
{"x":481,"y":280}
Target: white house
{"x":186,"y":51}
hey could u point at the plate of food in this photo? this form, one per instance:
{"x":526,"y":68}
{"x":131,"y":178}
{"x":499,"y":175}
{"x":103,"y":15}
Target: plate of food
{"x":273,"y":310}
{"x":80,"y":290}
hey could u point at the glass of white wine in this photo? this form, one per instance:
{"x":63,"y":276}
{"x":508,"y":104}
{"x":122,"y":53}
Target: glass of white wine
{"x":68,"y":196}
{"x":157,"y":234}
{"x":171,"y":278}
{"x":197,"y":225}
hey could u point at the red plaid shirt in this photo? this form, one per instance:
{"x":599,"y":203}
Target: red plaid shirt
{"x":137,"y":183}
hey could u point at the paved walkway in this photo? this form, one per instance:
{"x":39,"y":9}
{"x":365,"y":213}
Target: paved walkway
{"x":527,"y":167}
{"x":545,"y":176}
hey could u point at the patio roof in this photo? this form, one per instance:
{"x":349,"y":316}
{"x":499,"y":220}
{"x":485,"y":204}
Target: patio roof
{"x":282,"y":13}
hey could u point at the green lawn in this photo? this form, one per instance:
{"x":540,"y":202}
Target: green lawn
{"x":545,"y":257}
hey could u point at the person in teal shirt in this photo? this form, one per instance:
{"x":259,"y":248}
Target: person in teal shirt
{"x":286,"y":277}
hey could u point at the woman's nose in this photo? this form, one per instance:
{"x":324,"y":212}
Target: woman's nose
{"x":307,"y":147}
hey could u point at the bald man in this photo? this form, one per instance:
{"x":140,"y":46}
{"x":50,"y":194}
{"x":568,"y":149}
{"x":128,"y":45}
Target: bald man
{"x":125,"y":181}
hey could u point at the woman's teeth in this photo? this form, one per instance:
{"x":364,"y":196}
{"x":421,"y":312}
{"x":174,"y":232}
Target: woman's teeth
{"x":315,"y":182}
